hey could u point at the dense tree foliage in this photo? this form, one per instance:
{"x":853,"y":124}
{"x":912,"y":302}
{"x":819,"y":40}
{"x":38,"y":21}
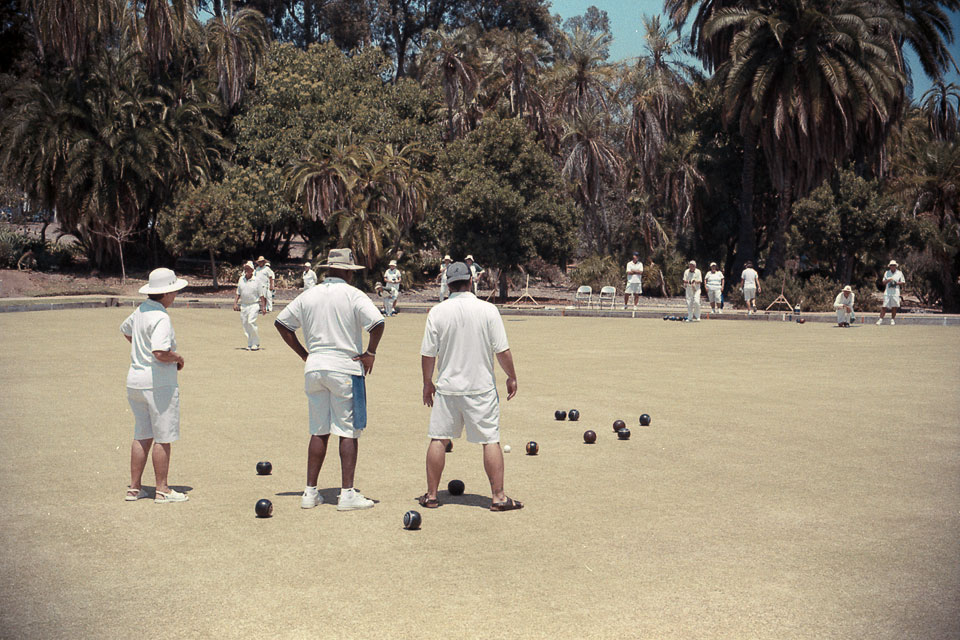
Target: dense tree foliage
{"x":409,"y":128}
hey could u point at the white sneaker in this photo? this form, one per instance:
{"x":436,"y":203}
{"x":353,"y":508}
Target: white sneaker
{"x":351,"y":499}
{"x":892,"y":322}
{"x":172,"y":496}
{"x":879,"y":322}
{"x":310,"y":499}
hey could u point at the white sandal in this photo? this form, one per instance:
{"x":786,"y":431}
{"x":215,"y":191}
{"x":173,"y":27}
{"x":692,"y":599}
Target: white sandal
{"x":173,"y":496}
{"x":133,"y":497}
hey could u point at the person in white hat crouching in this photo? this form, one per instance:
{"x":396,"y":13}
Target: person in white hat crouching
{"x":391,"y":282}
{"x":333,"y":316}
{"x":152,"y":389}
{"x":844,"y":306}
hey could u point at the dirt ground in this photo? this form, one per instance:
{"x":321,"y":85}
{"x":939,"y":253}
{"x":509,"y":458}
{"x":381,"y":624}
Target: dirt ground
{"x":796,"y":482}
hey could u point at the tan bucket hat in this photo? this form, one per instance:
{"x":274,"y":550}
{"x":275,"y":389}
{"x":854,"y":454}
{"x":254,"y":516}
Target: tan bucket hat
{"x":341,"y":259}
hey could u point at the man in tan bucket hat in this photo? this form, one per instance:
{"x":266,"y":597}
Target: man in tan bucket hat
{"x":333,"y":316}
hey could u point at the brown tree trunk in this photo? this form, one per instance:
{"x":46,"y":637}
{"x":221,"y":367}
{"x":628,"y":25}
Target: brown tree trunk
{"x":503,"y":285}
{"x":747,"y":239}
{"x":213,"y":269}
{"x":777,"y":257}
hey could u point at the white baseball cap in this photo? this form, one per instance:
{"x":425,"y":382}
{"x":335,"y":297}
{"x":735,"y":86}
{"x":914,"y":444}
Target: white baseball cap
{"x":163,"y":281}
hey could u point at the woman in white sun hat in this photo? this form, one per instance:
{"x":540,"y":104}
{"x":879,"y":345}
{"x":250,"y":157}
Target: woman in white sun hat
{"x":893,"y":280}
{"x":152,"y":389}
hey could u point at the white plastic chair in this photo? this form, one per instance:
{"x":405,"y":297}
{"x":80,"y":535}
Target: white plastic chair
{"x":605,"y":293}
{"x":584,"y":293}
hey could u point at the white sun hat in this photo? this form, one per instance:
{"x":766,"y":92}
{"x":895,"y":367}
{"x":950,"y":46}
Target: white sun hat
{"x":892,"y":263}
{"x":469,"y":258}
{"x":248,"y":263}
{"x":848,"y":289}
{"x":163,"y":281}
{"x":447,"y":258}
{"x":393,"y":263}
{"x":306,"y":264}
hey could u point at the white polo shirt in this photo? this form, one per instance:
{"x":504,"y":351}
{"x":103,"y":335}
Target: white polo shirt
{"x":264,"y":273}
{"x":713,"y":280}
{"x":841,"y":301}
{"x":151,"y":330}
{"x":893,"y":288}
{"x":464,"y":333}
{"x":692,"y":279}
{"x":750,"y":278}
{"x":249,"y":290}
{"x":391,"y":276}
{"x":634,"y":272}
{"x":333,"y":316}
{"x":309,"y":279}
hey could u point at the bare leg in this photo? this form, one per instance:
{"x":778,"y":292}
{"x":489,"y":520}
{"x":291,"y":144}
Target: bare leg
{"x":316,"y":452}
{"x":893,"y":312}
{"x":348,"y":461}
{"x":139,"y":450}
{"x":493,"y":465}
{"x":436,"y":458}
{"x":883,"y":312}
{"x":161,"y":465}
{"x":626,"y":299}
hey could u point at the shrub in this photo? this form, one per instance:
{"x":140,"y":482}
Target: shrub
{"x":52,"y":255}
{"x":540,"y":268}
{"x":597,"y":272}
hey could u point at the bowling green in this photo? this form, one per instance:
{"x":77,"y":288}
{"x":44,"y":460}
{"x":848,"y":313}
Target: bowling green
{"x":796,"y":482}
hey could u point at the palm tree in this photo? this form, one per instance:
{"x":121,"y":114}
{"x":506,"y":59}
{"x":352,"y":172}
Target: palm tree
{"x":236,"y":44}
{"x":806,"y":75}
{"x":162,"y":27}
{"x":449,"y":58}
{"x":682,"y":178}
{"x":72,"y":29}
{"x":581,"y":79}
{"x":941,"y":103}
{"x":514,"y":62}
{"x":926,"y":27}
{"x":324,"y":180}
{"x":660,"y":94}
{"x":591,"y":160}
{"x":364,"y":227}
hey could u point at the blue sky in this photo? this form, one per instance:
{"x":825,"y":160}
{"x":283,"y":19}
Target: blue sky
{"x":627,"y":26}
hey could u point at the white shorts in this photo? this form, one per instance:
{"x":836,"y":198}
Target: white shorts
{"x":633,"y":287}
{"x":891,"y":302}
{"x":480,"y":413}
{"x":337,"y":403}
{"x":715,"y":295}
{"x":157,"y":413}
{"x":749,"y":293}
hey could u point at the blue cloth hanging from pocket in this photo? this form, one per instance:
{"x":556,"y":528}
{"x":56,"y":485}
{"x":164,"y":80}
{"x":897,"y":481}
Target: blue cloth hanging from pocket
{"x":359,"y":403}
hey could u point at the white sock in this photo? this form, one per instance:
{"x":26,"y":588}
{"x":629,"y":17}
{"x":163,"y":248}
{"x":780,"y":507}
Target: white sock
{"x":310,"y":490}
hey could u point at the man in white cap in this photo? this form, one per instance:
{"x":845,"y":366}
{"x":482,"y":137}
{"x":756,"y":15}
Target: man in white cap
{"x":309,"y":277}
{"x":266,"y":276}
{"x":152,"y":389}
{"x":444,"y":288}
{"x":391,"y":282}
{"x":713,"y":281}
{"x":634,"y":280}
{"x":892,"y":281}
{"x":461,"y":339}
{"x":844,"y":306}
{"x":333,"y":316}
{"x":692,"y":281}
{"x":750,"y":284}
{"x":475,"y":273}
{"x":250,"y":302}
